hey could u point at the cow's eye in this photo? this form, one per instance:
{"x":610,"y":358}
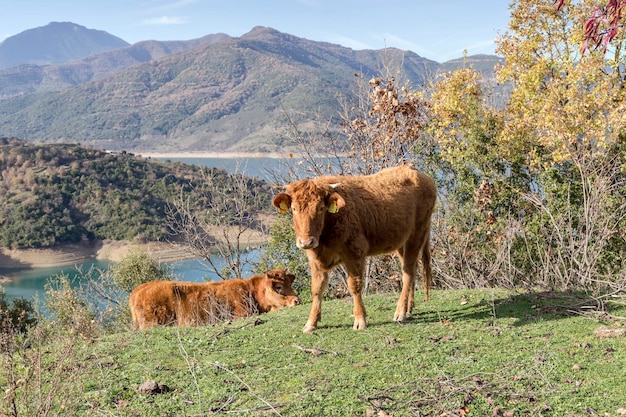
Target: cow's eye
{"x":278,"y":289}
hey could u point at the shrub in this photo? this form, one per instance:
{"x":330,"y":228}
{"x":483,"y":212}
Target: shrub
{"x":67,"y":311}
{"x":281,"y":252}
{"x":17,"y":316}
{"x":135,"y":269}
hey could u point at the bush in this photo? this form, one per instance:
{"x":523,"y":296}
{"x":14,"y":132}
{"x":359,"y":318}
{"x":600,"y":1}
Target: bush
{"x":135,"y":269}
{"x":16,"y":317}
{"x":67,"y":310}
{"x":281,"y":252}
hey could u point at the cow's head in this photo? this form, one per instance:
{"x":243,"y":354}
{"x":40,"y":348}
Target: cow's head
{"x":309,"y":203}
{"x":278,"y":291}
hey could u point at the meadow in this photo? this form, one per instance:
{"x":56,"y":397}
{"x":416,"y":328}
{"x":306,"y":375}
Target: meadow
{"x":466,"y":352}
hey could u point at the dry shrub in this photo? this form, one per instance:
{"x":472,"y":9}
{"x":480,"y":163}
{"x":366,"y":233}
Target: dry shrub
{"x":41,"y":373}
{"x":67,"y":311}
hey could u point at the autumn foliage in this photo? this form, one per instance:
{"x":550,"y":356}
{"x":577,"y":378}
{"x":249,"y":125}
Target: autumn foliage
{"x":532,"y":190}
{"x":603,"y":24}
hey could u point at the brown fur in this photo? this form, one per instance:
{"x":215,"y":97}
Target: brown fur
{"x":375,"y":214}
{"x":189,"y":303}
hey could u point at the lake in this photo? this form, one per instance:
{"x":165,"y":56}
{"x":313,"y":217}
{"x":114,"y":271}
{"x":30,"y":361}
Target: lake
{"x":262,"y":167}
{"x":29,"y":282}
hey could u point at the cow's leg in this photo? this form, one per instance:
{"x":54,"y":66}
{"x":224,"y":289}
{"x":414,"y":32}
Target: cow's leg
{"x":408,"y":258}
{"x":355,"y":285}
{"x":427,"y":273}
{"x":139,"y":319}
{"x":319,"y":284}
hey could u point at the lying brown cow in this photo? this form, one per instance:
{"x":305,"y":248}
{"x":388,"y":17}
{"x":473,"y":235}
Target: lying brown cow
{"x":342,"y":220}
{"x":189,"y":303}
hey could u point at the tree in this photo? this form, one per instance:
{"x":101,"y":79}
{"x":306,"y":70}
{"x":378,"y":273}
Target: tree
{"x":566,"y":117}
{"x":231,"y":223}
{"x":532,"y":194}
{"x":471,"y":237}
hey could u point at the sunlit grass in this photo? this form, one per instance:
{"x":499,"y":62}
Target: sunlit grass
{"x":487,"y":352}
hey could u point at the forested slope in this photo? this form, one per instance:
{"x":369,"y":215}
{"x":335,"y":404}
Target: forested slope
{"x":51,"y":194}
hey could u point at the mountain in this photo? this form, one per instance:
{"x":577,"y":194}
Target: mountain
{"x":28,"y":78}
{"x":55,"y":43}
{"x":227,"y":95}
{"x":481,"y":63}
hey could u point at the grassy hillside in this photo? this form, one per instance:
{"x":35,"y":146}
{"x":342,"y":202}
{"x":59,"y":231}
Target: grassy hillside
{"x":477,"y":353}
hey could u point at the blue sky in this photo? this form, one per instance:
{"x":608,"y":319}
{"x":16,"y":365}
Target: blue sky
{"x":435,"y":29}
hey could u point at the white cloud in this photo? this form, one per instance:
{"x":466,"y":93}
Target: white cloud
{"x":346,"y":41}
{"x":166,"y":20}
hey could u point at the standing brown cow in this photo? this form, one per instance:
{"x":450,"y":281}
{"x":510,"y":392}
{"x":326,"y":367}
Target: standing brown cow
{"x":192,"y":303}
{"x":342,"y":220}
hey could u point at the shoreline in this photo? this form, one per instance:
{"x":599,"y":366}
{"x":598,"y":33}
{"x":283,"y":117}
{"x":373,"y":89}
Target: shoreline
{"x":76,"y":253}
{"x":216,"y":155}
{"x":108,"y":250}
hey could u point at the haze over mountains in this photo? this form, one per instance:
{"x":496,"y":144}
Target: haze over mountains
{"x":216,"y":93}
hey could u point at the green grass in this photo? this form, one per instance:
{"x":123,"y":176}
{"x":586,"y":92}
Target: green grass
{"x":487,"y":352}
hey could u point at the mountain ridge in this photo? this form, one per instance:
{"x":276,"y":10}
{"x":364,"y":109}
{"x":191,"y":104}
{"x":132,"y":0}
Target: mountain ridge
{"x":30,"y":78}
{"x":223,"y":94}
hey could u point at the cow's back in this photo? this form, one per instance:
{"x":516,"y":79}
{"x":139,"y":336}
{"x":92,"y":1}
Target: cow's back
{"x":384,"y":208}
{"x":162,"y":303}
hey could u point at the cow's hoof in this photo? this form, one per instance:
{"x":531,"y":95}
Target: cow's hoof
{"x":399,"y":317}
{"x":359,"y":325}
{"x":308,"y":328}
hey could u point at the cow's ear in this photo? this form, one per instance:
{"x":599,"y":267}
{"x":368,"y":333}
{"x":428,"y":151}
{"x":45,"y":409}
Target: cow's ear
{"x":335,"y":202}
{"x":291,"y":278}
{"x":282,"y":202}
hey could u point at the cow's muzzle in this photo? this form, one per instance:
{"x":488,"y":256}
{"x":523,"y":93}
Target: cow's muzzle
{"x":306,"y":243}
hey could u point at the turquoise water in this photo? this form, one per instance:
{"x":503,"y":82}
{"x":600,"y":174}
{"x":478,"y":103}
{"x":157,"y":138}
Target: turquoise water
{"x":28,"y":283}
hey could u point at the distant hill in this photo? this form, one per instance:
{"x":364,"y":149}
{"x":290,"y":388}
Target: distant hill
{"x":28,"y":79}
{"x":229,"y":94}
{"x":481,"y":63}
{"x":55,"y":43}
